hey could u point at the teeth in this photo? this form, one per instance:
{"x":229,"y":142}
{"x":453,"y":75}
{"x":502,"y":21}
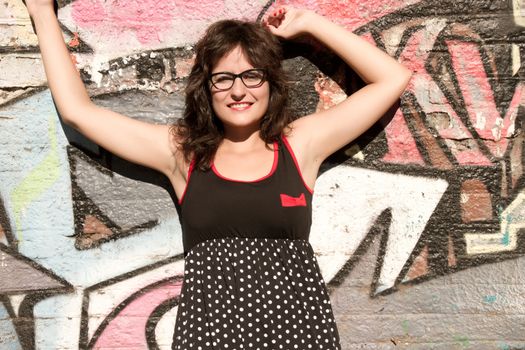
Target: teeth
{"x":240,"y":105}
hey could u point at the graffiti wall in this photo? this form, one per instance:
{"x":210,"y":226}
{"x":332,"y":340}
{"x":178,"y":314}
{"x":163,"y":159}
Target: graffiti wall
{"x":418,"y":225}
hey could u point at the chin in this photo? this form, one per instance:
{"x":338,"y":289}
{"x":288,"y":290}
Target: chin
{"x":243,"y":123}
{"x":240,"y":120}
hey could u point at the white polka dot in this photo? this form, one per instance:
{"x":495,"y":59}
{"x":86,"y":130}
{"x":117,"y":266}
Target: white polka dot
{"x":239,"y":281}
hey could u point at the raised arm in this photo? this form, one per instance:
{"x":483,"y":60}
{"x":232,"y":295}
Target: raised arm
{"x":318,"y":135}
{"x":139,"y":142}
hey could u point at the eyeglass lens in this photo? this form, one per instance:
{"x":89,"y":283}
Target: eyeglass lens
{"x":251,"y":78}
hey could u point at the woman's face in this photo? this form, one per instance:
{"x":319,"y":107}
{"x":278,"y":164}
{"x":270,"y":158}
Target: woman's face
{"x":239,"y":106}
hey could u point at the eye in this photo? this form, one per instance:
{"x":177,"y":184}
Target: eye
{"x":221,"y":78}
{"x":253,"y":75}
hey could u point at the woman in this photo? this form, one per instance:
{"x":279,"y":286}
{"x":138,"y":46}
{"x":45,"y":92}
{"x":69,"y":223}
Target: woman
{"x":243,"y":171}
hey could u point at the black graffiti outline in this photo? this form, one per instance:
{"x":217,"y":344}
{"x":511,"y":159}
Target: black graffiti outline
{"x":154,"y":319}
{"x":84,"y":344}
{"x":454,"y":176}
{"x":24,"y":322}
{"x":79,"y":196}
{"x":411,"y":109}
{"x":5,"y":224}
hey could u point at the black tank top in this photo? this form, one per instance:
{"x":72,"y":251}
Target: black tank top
{"x":278,"y":205}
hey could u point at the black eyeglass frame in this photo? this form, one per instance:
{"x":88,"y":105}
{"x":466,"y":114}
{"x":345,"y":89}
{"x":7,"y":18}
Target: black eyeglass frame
{"x":235,"y":76}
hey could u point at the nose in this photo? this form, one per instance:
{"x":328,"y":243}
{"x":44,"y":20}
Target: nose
{"x":238,"y":90}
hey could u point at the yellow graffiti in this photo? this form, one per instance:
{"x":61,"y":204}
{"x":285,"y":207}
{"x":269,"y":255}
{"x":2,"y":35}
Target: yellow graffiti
{"x":37,"y":181}
{"x":516,"y":61}
{"x":519,"y":12}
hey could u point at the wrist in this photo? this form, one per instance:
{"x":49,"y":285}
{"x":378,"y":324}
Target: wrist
{"x":308,"y":17}
{"x":43,"y":19}
{"x":313,"y":22}
{"x":36,"y":11}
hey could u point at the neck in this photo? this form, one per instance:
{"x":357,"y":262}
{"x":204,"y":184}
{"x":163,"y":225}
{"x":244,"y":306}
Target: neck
{"x":241,"y":134}
{"x":241,"y":140}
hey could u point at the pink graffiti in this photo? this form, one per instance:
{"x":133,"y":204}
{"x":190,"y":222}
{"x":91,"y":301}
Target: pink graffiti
{"x":432,"y":100}
{"x":351,"y":14}
{"x":491,"y":126}
{"x":147,"y":18}
{"x":402,"y":147}
{"x":467,"y":66}
{"x":127,"y":329}
{"x":153,"y":21}
{"x":88,"y":13}
{"x":199,"y":10}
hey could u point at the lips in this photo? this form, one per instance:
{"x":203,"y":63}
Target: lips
{"x":240,"y":106}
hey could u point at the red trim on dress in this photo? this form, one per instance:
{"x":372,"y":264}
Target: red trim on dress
{"x":272,"y":170}
{"x":190,"y":170}
{"x":296,"y":164}
{"x":289,"y":201}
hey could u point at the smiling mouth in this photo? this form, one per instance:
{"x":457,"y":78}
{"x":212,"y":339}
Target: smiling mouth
{"x":240,"y":106}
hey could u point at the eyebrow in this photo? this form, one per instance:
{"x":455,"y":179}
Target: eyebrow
{"x":224,"y":72}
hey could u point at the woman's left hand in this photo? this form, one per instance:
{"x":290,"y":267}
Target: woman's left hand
{"x":287,"y":22}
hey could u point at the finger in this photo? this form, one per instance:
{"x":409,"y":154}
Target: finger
{"x":267,"y":24}
{"x":276,"y":16}
{"x":275,"y":21}
{"x":281,"y":11}
{"x":273,"y":30}
{"x":266,"y":18}
{"x":277,"y":12}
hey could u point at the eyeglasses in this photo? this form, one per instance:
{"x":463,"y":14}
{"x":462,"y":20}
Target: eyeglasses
{"x":251,"y":78}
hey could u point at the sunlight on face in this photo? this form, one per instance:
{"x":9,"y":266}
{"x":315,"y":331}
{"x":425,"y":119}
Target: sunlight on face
{"x":239,"y":106}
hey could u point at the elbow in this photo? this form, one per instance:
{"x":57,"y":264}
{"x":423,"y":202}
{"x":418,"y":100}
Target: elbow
{"x":69,"y":122}
{"x":67,"y":118}
{"x":398,"y":78}
{"x":404,"y":78}
{"x":71,"y":116}
{"x":406,"y":75}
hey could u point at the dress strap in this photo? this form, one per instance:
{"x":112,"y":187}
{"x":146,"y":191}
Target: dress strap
{"x":190,"y":171}
{"x":291,"y":152}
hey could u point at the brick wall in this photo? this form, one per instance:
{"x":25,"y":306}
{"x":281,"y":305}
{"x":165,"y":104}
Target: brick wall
{"x":417,"y":225}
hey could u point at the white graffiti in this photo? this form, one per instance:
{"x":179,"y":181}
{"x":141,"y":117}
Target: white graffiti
{"x":47,"y":229}
{"x":512,"y":220}
{"x":352,"y":198}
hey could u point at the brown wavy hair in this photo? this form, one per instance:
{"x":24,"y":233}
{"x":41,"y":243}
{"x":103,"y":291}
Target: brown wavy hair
{"x":199,"y":130}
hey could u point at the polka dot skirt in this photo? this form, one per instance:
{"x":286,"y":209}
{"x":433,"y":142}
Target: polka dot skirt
{"x":254,"y":293}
